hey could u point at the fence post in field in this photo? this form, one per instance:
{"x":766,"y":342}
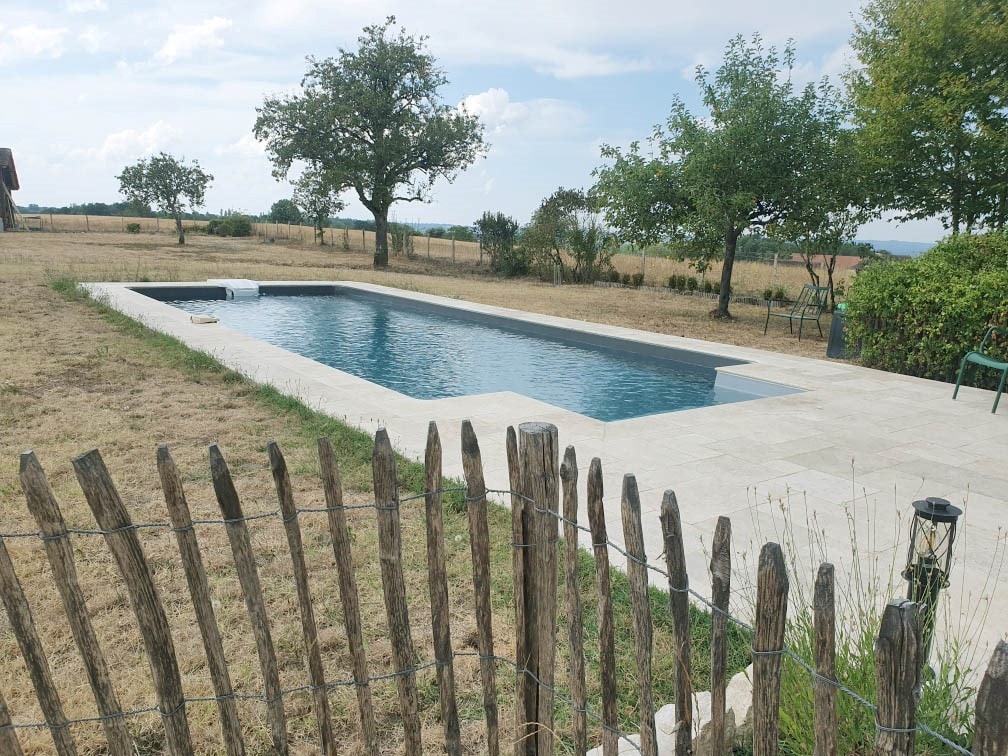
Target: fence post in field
{"x":991,"y":732}
{"x":637,"y":578}
{"x":394,"y":587}
{"x":720,"y":567}
{"x":438,"y":582}
{"x":46,"y":511}
{"x":575,"y":622}
{"x":479,"y":545}
{"x":340,"y":536}
{"x":768,"y":644}
{"x":248,"y":577}
{"x":8,"y":740}
{"x":540,"y":466}
{"x":21,"y":622}
{"x":199,"y":591}
{"x":320,"y":696}
{"x":897,"y":672}
{"x":675,"y":559}
{"x":607,"y":653}
{"x":122,"y":540}
{"x":824,"y":628}
{"x":521,"y":539}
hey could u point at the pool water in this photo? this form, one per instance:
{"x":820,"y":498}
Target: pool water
{"x":429,"y":353}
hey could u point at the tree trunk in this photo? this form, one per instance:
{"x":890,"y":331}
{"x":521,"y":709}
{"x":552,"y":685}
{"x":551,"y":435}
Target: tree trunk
{"x":178,"y":227}
{"x":731,"y":241}
{"x":381,"y":238}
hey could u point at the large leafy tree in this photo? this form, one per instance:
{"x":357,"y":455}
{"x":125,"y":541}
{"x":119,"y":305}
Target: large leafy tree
{"x":167,"y":184}
{"x":706,"y":180}
{"x":285,"y":211}
{"x":931,"y":97}
{"x":372,"y":121}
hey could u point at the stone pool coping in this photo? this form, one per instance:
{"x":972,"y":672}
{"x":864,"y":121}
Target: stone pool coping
{"x":846,"y":455}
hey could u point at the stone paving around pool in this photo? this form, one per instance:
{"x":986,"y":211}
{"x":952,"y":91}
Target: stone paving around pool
{"x":846,"y":456}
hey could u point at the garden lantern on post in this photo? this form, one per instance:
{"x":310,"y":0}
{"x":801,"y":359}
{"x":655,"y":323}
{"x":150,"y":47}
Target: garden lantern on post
{"x":932,"y":533}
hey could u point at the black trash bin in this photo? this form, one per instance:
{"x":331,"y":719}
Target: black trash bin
{"x":837,"y":346}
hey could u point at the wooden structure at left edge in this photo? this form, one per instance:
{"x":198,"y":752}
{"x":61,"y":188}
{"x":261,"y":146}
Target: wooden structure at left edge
{"x":8,"y":183}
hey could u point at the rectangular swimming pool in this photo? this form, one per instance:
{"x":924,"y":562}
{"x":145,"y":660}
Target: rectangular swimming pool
{"x":429,"y":351}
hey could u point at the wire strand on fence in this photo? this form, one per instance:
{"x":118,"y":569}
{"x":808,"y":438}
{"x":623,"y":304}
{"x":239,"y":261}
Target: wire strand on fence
{"x":703,"y":600}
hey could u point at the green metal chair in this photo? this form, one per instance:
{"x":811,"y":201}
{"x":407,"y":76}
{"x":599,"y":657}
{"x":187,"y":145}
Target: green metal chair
{"x":809,"y":306}
{"x":980,"y":357}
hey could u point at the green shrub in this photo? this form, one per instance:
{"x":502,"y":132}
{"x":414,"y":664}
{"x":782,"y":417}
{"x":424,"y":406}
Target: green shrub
{"x":708,"y":286}
{"x":920,"y":316}
{"x":691,"y":283}
{"x":627,"y":280}
{"x":637,"y":279}
{"x":768,"y":294}
{"x":780,"y":295}
{"x":614,"y":276}
{"x":132,"y":228}
{"x":230,"y":225}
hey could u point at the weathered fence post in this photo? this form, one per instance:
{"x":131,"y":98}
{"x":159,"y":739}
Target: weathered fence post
{"x":720,"y":567}
{"x":438,"y":584}
{"x":121,"y":537}
{"x":46,"y":511}
{"x":607,"y":643}
{"x":386,"y":495}
{"x":675,"y":559}
{"x":199,"y":591}
{"x":8,"y":740}
{"x":521,"y":539}
{"x":897,"y":671}
{"x":248,"y":578}
{"x":21,"y":622}
{"x":637,"y":577}
{"x":540,"y":465}
{"x":479,"y":546}
{"x":824,"y":624}
{"x":991,"y":731}
{"x":320,"y":695}
{"x":768,"y":645}
{"x":575,"y":622}
{"x":340,"y":536}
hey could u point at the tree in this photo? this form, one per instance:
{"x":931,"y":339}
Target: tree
{"x":497,"y":233}
{"x":371,"y":119}
{"x":319,"y":196}
{"x":931,"y":98}
{"x":707,"y":180}
{"x":166,"y":183}
{"x":285,"y":211}
{"x":567,"y":227}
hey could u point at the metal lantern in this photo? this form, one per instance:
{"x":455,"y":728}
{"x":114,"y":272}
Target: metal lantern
{"x":929,"y":560}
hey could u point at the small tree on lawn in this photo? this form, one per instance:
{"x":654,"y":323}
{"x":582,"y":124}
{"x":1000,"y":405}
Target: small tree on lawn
{"x":497,"y":233}
{"x":167,"y":184}
{"x":319,"y":198}
{"x":568,"y":226}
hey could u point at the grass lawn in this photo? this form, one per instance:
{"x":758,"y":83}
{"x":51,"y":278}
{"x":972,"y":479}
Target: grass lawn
{"x":74,"y":377}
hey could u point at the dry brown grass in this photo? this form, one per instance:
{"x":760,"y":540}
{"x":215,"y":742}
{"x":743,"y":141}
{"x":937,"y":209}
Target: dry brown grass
{"x":70,"y":381}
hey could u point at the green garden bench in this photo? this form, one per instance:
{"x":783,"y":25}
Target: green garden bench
{"x":980,"y":357}
{"x":809,"y":306}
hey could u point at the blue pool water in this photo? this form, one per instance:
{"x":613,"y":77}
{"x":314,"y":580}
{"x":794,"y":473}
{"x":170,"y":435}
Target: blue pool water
{"x":432,"y":353}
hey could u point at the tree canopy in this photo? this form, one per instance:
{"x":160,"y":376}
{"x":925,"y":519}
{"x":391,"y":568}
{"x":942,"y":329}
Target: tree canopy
{"x":166,"y":183}
{"x":931,"y":98}
{"x":371,"y":120}
{"x":704,"y":181}
{"x":285,"y":211}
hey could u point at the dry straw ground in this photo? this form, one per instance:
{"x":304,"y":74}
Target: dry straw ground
{"x":72,"y":380}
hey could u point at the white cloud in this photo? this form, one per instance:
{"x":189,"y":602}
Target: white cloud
{"x":92,"y":39}
{"x":540,"y":118}
{"x":31,"y":41}
{"x":130,"y":143}
{"x":86,"y":6}
{"x":185,"y":39}
{"x":246,"y":146}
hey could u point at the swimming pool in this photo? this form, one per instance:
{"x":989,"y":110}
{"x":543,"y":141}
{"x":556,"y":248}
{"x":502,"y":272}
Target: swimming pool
{"x":433,"y":352}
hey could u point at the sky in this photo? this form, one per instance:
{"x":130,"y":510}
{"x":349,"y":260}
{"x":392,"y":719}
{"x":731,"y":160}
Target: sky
{"x":91,"y":86}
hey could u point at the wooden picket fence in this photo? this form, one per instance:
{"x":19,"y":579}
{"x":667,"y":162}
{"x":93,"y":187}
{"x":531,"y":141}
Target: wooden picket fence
{"x":543,"y":496}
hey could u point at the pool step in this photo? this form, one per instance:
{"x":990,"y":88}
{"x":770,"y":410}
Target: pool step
{"x":237,"y":288}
